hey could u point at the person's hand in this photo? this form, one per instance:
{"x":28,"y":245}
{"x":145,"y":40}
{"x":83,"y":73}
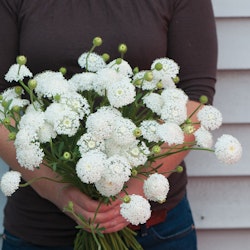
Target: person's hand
{"x":108,"y":216}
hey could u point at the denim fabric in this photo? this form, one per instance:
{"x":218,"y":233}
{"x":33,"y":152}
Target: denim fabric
{"x":176,"y":233}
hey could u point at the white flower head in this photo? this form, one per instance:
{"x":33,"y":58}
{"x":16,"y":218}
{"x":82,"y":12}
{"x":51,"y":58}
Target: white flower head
{"x":203,"y":138}
{"x":122,"y":68}
{"x":228,"y":149}
{"x":171,"y":133}
{"x":210,"y":117}
{"x":91,"y":62}
{"x":91,"y":166}
{"x":169,"y":67}
{"x":156,"y":187}
{"x":154,"y":102}
{"x":83,"y":81}
{"x":10,"y":182}
{"x":17,"y":72}
{"x":121,"y":93}
{"x":137,"y":210}
{"x":149,"y":130}
{"x":167,"y":82}
{"x":51,"y":84}
{"x":88,"y":142}
{"x":145,"y":85}
{"x":174,"y":96}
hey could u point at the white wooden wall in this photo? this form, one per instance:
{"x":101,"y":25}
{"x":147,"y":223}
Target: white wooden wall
{"x":219,"y":194}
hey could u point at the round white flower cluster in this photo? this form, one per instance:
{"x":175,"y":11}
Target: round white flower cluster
{"x":10,"y":182}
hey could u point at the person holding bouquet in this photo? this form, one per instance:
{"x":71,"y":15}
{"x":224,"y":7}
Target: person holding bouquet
{"x":52,"y":34}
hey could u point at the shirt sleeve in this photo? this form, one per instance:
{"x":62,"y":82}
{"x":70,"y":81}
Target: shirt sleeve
{"x":192,"y":43}
{"x":8,"y":38}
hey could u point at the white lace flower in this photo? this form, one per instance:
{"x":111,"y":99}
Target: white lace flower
{"x":63,"y":119}
{"x":91,"y":62}
{"x":137,"y":210}
{"x":156,"y":187}
{"x":88,"y":142}
{"x":203,"y":137}
{"x":121,"y":93}
{"x":148,"y":129}
{"x":210,"y":117}
{"x":82,"y":81}
{"x":171,"y":133}
{"x":169,"y":67}
{"x":123,"y":68}
{"x":25,"y":136}
{"x":146,"y":85}
{"x":46,"y":132}
{"x":108,"y":188}
{"x":17,"y":73}
{"x":50,"y":84}
{"x":228,"y":149}
{"x":10,"y":182}
{"x":174,"y":96}
{"x":91,"y":166}
{"x":154,"y":102}
{"x":30,"y":156}
{"x":123,"y":131}
{"x":167,"y":82}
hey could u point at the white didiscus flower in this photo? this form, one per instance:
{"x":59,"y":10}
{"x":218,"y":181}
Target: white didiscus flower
{"x":108,"y":188}
{"x":123,"y":131}
{"x":174,"y":96}
{"x":62,"y":118}
{"x":171,"y":133}
{"x":10,"y":182}
{"x":25,"y":136}
{"x":123,"y":68}
{"x":228,"y":149}
{"x":203,"y":138}
{"x":149,"y":130}
{"x":210,"y":117}
{"x":121,"y":93}
{"x":137,"y":210}
{"x":145,"y":85}
{"x":30,"y":156}
{"x":112,"y":148}
{"x":169,"y":68}
{"x":100,"y":123}
{"x":17,"y":72}
{"x":167,"y":82}
{"x":156,"y":187}
{"x":77,"y":103}
{"x":46,"y":132}
{"x":82,"y":81}
{"x":91,"y":166}
{"x":88,"y":142}
{"x":51,"y":84}
{"x":91,"y":61}
{"x":174,"y":112}
{"x":154,"y":102}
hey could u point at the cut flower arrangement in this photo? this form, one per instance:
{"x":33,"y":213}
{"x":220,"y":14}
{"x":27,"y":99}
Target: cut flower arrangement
{"x":102,"y":127}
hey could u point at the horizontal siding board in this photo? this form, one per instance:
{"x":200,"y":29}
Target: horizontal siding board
{"x":231,"y":8}
{"x":220,"y":203}
{"x":223,"y":239}
{"x":203,"y":163}
{"x":233,"y":43}
{"x":232,"y":95}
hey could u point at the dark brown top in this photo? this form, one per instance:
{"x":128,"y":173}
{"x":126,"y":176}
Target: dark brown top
{"x":54,"y":33}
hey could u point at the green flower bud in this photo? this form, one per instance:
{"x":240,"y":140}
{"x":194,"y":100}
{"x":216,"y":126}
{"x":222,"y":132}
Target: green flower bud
{"x":1,"y":97}
{"x":137,"y":132}
{"x":188,"y":129}
{"x":63,"y":70}
{"x":6,"y":121}
{"x":135,"y":70}
{"x":122,"y":48}
{"x":159,"y":85}
{"x":118,"y":61}
{"x":134,"y":172}
{"x":138,"y":82}
{"x":158,"y":66}
{"x":176,"y":79}
{"x":21,"y":60}
{"x":203,"y":99}
{"x":126,"y":199}
{"x":16,"y":109}
{"x":156,"y":149}
{"x":12,"y":136}
{"x":32,"y":83}
{"x":4,"y":103}
{"x":97,"y":41}
{"x":106,"y":57}
{"x":18,"y":90}
{"x":66,"y":155}
{"x":179,"y":169}
{"x":70,"y":206}
{"x":57,"y":97}
{"x":148,"y":76}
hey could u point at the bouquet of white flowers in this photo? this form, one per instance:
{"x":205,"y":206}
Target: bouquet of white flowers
{"x":102,"y":127}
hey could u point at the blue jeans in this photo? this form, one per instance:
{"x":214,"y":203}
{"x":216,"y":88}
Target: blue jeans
{"x":176,"y":233}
